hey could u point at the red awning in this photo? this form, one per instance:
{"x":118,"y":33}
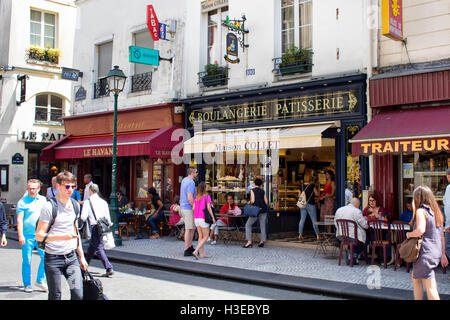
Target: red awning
{"x":153,"y":143}
{"x":410,"y":130}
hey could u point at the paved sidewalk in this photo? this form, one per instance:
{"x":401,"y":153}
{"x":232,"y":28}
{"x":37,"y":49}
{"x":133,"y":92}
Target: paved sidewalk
{"x":291,"y":265}
{"x":293,"y":260}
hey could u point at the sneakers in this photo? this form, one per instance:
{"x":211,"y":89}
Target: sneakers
{"x":28,"y":289}
{"x":154,"y":236}
{"x":213,"y":242}
{"x":41,"y":287}
{"x":209,"y":240}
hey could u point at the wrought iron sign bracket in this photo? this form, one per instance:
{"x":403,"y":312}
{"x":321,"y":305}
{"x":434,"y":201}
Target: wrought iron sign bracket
{"x":238,"y":27}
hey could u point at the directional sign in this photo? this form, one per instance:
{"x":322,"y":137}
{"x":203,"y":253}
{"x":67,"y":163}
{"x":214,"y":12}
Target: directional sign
{"x":152,"y":22}
{"x":144,"y":55}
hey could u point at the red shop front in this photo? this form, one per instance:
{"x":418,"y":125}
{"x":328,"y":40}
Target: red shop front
{"x":408,"y":136}
{"x":144,"y":147}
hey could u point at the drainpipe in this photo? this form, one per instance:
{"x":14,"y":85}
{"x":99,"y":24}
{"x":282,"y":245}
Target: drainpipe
{"x":370,"y":41}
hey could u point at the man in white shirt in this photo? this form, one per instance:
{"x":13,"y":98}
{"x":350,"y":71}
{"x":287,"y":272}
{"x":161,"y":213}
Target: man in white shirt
{"x":446,"y":201}
{"x":87,"y":179}
{"x":52,"y":192}
{"x":94,"y":209}
{"x":348,"y":193}
{"x":352,"y":212}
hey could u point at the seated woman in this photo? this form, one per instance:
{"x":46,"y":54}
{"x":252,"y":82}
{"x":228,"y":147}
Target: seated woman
{"x":228,"y":208}
{"x":157,"y":215}
{"x":374,"y":211}
{"x":176,"y":219}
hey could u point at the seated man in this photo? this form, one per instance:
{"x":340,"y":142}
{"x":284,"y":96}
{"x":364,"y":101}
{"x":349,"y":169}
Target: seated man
{"x":407,"y":214}
{"x":228,"y":208}
{"x":352,"y":212}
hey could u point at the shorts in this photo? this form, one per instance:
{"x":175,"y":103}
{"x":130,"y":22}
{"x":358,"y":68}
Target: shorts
{"x":188,"y":216}
{"x":201,"y":223}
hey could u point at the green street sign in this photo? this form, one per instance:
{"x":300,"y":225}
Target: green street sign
{"x":144,"y":55}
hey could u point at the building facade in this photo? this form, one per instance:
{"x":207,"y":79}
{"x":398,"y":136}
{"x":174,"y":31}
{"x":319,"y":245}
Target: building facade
{"x":276,"y":89}
{"x":147,"y":114}
{"x":37,"y":46}
{"x":408,"y":136}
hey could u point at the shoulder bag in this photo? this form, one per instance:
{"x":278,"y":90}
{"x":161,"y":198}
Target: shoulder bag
{"x":208,"y":218}
{"x":410,"y":249}
{"x":103,"y":224}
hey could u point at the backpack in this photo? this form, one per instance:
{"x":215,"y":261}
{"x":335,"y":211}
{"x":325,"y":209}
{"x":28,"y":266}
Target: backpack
{"x":41,"y":244}
{"x":302,"y":202}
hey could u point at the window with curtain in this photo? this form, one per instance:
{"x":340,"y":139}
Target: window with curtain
{"x":296,"y":24}
{"x":104,"y":59}
{"x":42,"y":29}
{"x":49,"y":107}
{"x":216,"y":35}
{"x":144,"y":40}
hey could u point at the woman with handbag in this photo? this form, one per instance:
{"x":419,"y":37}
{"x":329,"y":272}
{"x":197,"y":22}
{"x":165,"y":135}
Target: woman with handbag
{"x":428,"y":224}
{"x":310,"y":192}
{"x":259,"y":199}
{"x":202,"y":206}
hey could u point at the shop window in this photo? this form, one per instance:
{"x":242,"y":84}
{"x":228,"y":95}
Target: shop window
{"x":142,"y":165}
{"x":424,"y":169}
{"x":49,"y":108}
{"x":296,"y":24}
{"x":42,"y":29}
{"x":104,"y":54}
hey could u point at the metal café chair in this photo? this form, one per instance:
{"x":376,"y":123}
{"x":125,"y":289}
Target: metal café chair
{"x":227,"y":231}
{"x":175,"y":230}
{"x":344,"y":226}
{"x":377,"y":227}
{"x":399,"y":228}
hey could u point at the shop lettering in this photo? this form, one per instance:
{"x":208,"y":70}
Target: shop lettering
{"x":248,"y":146}
{"x":162,"y":153}
{"x":98,"y":152}
{"x":43,"y":137}
{"x":406,"y":146}
{"x":122,"y":125}
{"x":296,"y":107}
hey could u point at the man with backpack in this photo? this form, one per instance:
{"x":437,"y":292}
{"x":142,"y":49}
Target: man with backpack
{"x":28,"y":211}
{"x":57,"y":229}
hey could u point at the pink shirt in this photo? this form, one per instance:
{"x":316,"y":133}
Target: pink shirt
{"x":176,"y":217}
{"x":200,"y":205}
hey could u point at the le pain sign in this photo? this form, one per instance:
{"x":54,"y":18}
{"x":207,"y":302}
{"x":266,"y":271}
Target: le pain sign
{"x":152,"y":22}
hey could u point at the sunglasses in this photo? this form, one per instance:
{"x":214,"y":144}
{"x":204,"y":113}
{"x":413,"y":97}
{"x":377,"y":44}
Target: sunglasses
{"x":68,"y":186}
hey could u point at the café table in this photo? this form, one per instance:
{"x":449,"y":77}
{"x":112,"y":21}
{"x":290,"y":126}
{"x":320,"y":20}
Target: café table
{"x":326,"y":239}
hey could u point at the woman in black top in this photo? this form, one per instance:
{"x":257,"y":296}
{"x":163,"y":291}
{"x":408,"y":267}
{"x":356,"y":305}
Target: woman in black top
{"x":157,"y":215}
{"x":259,"y":199}
{"x":311,"y":192}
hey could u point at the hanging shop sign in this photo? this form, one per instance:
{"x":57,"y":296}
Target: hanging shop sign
{"x":232,"y":48}
{"x":162,"y":31}
{"x":69,"y":74}
{"x":23,"y":88}
{"x":143,"y":55}
{"x":392,"y":19}
{"x":321,"y":104}
{"x":152,"y":22}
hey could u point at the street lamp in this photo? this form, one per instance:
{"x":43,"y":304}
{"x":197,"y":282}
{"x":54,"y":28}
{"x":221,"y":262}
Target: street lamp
{"x":116,"y":82}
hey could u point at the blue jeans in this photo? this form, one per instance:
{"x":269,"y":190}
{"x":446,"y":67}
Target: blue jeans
{"x":311,"y":210}
{"x":68,"y":266}
{"x":153,"y":219}
{"x":27,"y":252}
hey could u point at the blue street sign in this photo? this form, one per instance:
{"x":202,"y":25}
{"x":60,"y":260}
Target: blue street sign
{"x":144,"y":55}
{"x":162,"y":31}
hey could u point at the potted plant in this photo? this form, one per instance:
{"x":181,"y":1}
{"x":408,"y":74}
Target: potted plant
{"x":49,"y":54}
{"x":214,"y":75}
{"x":295,"y":60}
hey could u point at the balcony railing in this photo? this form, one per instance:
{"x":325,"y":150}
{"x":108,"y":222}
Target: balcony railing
{"x":293,"y":65}
{"x":211,"y":80}
{"x":44,"y":116}
{"x":101,"y":88}
{"x":141,"y":82}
